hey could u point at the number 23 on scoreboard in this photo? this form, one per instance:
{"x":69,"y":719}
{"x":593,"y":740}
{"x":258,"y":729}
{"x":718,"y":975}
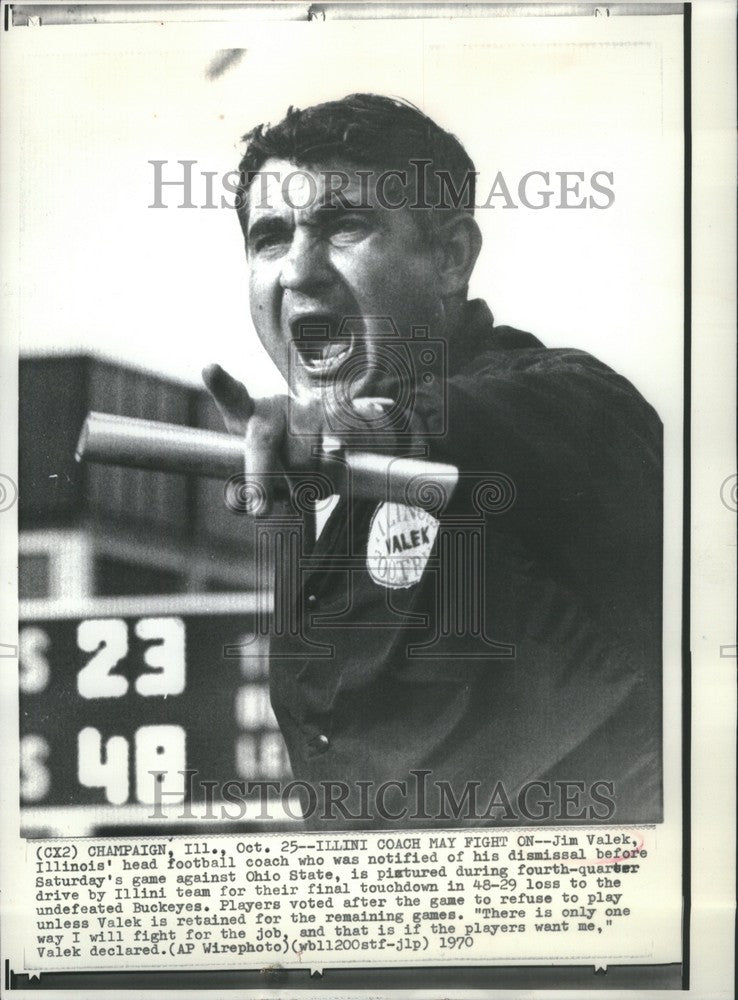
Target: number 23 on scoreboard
{"x":107,"y":640}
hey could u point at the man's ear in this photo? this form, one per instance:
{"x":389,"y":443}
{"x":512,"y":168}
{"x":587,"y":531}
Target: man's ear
{"x":458,"y":242}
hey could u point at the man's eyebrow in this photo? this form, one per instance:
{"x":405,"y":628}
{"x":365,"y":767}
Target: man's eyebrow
{"x":332,"y":209}
{"x":322,"y":214}
{"x":264,"y":225}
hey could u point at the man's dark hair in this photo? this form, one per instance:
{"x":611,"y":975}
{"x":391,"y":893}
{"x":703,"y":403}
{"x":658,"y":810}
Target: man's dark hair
{"x":368,"y":132}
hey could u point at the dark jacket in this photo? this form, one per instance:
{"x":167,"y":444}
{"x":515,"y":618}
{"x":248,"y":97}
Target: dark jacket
{"x":513,"y":637}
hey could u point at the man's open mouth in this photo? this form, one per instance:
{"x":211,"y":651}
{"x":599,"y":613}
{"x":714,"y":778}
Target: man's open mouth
{"x":322,"y":344}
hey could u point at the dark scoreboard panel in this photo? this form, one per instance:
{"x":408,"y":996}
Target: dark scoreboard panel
{"x":147,"y":685}
{"x":55,"y":395}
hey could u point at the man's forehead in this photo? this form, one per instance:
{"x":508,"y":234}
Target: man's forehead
{"x":284,"y":185}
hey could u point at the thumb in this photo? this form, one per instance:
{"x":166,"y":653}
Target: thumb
{"x":230,"y":396}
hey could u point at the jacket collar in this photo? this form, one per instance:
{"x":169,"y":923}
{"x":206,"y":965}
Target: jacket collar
{"x":472,"y":335}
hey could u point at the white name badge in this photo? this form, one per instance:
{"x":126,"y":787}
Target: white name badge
{"x":400,"y":542}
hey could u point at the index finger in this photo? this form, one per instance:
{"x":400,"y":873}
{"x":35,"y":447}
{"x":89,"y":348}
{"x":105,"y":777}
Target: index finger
{"x":230,"y":396}
{"x":263,"y":456}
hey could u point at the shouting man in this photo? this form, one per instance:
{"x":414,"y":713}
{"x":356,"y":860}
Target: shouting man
{"x":487,"y":655}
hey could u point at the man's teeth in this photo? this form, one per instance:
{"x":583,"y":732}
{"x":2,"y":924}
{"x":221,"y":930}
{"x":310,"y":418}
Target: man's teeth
{"x":329,"y":359}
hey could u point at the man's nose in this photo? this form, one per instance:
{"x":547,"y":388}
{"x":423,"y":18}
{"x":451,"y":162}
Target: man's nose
{"x":305,"y":265}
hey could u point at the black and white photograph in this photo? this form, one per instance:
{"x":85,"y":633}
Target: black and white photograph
{"x":353,"y":478}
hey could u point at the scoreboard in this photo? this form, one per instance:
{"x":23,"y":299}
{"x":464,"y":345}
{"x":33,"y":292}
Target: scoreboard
{"x":130,"y":702}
